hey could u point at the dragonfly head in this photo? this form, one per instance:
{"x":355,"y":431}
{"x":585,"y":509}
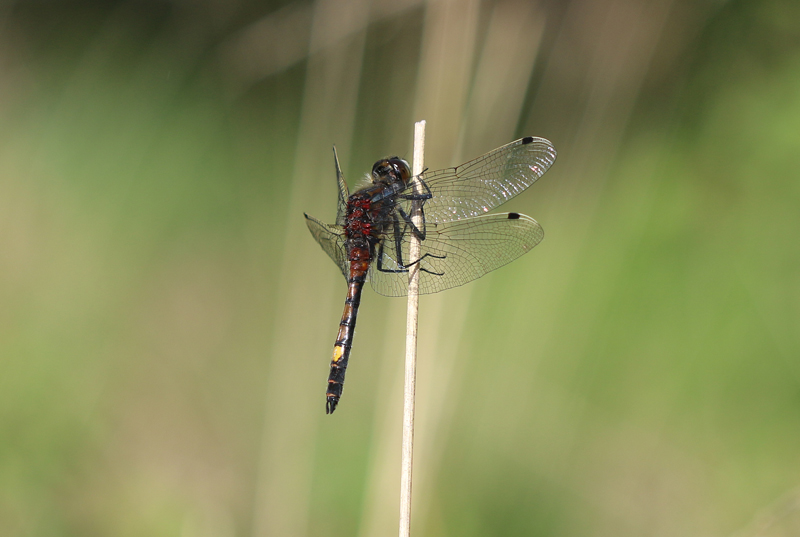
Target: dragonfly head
{"x":390,"y":170}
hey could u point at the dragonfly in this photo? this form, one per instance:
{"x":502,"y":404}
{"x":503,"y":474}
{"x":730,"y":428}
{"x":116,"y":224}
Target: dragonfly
{"x":460,"y":242}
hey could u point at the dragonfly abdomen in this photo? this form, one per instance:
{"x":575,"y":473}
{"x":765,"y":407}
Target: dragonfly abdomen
{"x":347,"y":327}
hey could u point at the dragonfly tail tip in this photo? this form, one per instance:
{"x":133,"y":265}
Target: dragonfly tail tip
{"x":330,"y":405}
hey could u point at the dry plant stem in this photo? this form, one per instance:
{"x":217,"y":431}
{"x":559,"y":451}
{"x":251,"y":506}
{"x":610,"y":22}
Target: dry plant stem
{"x":411,"y":341}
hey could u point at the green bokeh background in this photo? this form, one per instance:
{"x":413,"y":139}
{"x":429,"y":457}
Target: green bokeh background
{"x":166,"y":320}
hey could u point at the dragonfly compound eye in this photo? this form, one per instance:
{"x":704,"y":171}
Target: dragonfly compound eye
{"x":391,"y":169}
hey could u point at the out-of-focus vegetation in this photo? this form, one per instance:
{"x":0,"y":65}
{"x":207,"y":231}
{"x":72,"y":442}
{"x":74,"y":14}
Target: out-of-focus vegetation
{"x":166,"y":321}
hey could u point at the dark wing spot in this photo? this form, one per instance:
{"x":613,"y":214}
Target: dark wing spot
{"x":527,"y":140}
{"x":513,"y":216}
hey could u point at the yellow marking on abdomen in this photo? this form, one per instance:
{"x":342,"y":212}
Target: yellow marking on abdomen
{"x":338,"y":351}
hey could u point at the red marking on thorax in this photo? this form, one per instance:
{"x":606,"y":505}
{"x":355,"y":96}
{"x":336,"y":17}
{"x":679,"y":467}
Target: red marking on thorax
{"x":358,"y":218}
{"x":357,"y":228}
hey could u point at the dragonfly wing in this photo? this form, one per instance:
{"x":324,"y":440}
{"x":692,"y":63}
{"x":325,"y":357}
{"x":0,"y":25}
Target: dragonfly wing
{"x":332,"y":240}
{"x":478,"y":186}
{"x":454,"y":253}
{"x":341,"y":207}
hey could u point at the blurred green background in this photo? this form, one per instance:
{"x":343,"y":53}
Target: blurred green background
{"x":166,"y":320}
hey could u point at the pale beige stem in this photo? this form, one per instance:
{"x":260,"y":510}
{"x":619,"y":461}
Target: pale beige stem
{"x":411,"y":340}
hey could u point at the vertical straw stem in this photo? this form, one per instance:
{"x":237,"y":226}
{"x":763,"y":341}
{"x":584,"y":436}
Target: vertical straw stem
{"x":411,"y":340}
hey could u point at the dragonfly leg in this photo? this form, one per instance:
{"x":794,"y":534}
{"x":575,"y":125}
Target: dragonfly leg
{"x":424,"y":269}
{"x":403,"y":267}
{"x":425,"y":195}
{"x":419,"y":233}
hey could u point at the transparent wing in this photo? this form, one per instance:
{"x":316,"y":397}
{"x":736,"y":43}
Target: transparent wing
{"x":454,"y":253}
{"x":341,"y":207}
{"x":331,"y":238}
{"x":478,"y":186}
